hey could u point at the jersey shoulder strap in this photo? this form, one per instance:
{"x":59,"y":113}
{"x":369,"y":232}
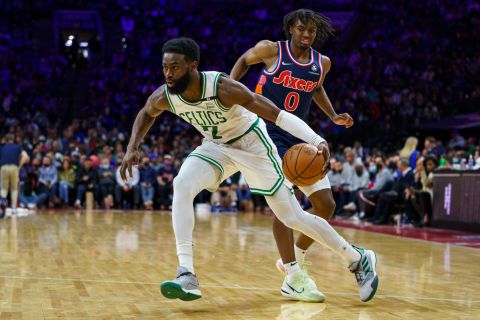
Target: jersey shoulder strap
{"x":280,"y":54}
{"x":211,"y":90}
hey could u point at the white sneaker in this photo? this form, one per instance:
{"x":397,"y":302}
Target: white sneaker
{"x":22,"y":212}
{"x":301,"y":288}
{"x":350,"y":207}
{"x":184,"y":287}
{"x":365,"y":273}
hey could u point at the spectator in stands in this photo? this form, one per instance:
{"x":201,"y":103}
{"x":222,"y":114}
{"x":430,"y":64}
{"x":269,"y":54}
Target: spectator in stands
{"x":86,"y":181}
{"x":155,"y":161}
{"x":49,"y":180}
{"x":106,"y":183}
{"x":360,"y":181}
{"x":383,"y":182}
{"x":476,"y":158}
{"x":349,"y":164}
{"x":66,"y":181}
{"x":127,"y":194}
{"x":419,"y":197}
{"x":224,"y":199}
{"x":147,"y":183}
{"x":11,"y":158}
{"x":358,"y":150}
{"x":244,"y":195}
{"x":432,"y":146}
{"x":386,"y":199}
{"x":338,"y":180}
{"x":165,"y":182}
{"x":410,"y":152}
{"x":30,"y":195}
{"x":457,"y":141}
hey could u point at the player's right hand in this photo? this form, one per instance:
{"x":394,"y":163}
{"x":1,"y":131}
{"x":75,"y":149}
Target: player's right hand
{"x":131,"y":158}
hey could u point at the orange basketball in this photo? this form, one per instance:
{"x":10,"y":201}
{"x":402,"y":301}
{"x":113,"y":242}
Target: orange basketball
{"x":302,"y":164}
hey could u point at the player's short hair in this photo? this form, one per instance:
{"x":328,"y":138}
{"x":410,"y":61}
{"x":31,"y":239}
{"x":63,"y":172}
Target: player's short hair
{"x":324,"y":27}
{"x":186,"y":46}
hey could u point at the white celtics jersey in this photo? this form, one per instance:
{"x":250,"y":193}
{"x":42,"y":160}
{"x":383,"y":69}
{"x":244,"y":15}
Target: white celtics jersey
{"x":213,"y":120}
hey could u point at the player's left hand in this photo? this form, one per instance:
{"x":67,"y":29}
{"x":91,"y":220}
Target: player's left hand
{"x":343,"y":119}
{"x":131,"y":158}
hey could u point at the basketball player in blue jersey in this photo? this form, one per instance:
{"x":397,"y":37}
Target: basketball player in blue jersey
{"x":226,"y":113}
{"x":293,"y":76}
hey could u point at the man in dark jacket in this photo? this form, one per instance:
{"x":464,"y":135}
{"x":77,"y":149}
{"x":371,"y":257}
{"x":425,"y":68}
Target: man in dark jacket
{"x":396,"y":195}
{"x":107,"y":183}
{"x":86,"y":180}
{"x":147,"y":182}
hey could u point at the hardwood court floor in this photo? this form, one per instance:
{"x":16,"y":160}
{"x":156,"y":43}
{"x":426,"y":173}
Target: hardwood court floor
{"x":109,"y":266}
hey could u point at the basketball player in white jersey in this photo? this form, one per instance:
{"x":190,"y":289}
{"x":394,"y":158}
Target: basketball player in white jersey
{"x":225,"y":112}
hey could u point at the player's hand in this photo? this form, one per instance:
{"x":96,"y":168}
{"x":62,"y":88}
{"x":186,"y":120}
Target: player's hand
{"x":343,"y":119}
{"x":130,"y":159}
{"x":325,"y":151}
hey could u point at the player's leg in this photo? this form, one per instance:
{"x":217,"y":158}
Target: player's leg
{"x":195,"y":175}
{"x":323,"y":205}
{"x":361,"y":262}
{"x":282,"y":234}
{"x":261,"y":167}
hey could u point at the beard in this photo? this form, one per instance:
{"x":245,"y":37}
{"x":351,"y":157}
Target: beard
{"x":181,"y":84}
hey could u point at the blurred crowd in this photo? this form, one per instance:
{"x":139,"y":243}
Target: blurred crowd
{"x":413,"y":62}
{"x":372,"y":186}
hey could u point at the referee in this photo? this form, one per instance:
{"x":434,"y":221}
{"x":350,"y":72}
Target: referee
{"x":11,"y":158}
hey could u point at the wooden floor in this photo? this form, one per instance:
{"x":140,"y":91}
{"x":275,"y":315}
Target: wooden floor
{"x":56,"y":265}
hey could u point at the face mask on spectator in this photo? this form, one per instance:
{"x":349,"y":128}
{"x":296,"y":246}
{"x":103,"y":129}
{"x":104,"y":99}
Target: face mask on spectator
{"x":372,"y":169}
{"x":105,"y":166}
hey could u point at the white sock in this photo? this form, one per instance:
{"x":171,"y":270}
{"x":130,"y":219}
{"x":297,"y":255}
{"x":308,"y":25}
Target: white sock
{"x":183,"y":217}
{"x":300,"y":254}
{"x":185,"y":257}
{"x":292,"y":269}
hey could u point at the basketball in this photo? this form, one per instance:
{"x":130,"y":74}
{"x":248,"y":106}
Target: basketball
{"x":302,"y":164}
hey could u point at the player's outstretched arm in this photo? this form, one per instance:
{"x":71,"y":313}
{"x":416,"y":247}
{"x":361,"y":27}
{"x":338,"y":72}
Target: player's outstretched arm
{"x":231,"y":92}
{"x":155,"y":105}
{"x":321,"y":99}
{"x":262,"y":51}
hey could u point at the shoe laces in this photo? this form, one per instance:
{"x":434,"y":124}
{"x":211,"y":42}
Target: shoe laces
{"x":360,"y":276}
{"x":360,"y":273}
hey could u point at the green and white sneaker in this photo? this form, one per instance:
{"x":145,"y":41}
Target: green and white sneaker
{"x":185,"y":287}
{"x":301,"y":288}
{"x":365,"y":273}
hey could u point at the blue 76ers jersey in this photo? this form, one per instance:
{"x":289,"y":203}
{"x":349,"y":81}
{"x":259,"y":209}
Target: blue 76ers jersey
{"x":290,"y":85}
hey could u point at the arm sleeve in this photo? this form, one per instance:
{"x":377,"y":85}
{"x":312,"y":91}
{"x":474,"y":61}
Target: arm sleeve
{"x":298,"y":128}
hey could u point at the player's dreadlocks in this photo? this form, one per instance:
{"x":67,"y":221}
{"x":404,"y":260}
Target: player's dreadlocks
{"x":324,"y":28}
